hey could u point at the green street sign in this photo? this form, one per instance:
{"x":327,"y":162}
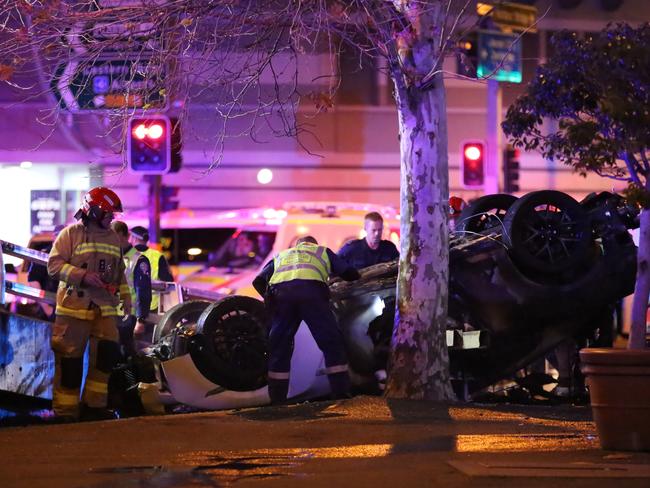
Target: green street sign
{"x":110,"y":84}
{"x":499,"y":56}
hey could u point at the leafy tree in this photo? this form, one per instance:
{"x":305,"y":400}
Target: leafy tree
{"x":597,"y":87}
{"x":222,"y":54}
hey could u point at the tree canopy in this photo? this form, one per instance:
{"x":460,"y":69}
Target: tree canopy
{"x":597,"y":86}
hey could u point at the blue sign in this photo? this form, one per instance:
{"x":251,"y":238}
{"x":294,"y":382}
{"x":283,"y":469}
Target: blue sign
{"x":499,"y":56}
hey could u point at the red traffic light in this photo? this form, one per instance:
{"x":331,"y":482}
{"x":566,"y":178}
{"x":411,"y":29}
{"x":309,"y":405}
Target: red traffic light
{"x":473,"y":152}
{"x":472,"y":164}
{"x":152,"y":131}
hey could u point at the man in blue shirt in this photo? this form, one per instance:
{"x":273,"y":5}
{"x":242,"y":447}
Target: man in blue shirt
{"x":361,"y":253}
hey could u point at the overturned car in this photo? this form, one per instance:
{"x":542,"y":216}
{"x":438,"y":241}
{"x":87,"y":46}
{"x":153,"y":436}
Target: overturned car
{"x":525,"y":274}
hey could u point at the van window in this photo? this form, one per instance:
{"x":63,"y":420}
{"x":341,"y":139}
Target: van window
{"x":231,"y":248}
{"x":192,"y":245}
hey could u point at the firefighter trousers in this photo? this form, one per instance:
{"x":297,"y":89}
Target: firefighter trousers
{"x":69,"y":339}
{"x":291,"y":303}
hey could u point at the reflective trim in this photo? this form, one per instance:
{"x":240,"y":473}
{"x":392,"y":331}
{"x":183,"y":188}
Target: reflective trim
{"x":97,"y":247}
{"x":124,"y":289}
{"x":61,"y":398}
{"x":320,"y":252}
{"x":108,"y":310}
{"x":78,"y":314}
{"x":337,"y":368}
{"x":284,"y":269}
{"x":66,"y":269}
{"x":278,"y":375}
{"x":96,"y":386}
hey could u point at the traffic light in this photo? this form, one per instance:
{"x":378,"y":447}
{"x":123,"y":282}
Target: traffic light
{"x":149,"y":145}
{"x":511,"y":170}
{"x":472,"y":165}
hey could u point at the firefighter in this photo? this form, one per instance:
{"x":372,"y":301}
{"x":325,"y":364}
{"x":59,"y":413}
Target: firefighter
{"x":138,"y":238}
{"x":294,"y":285}
{"x":87,"y":260}
{"x":138,"y":276}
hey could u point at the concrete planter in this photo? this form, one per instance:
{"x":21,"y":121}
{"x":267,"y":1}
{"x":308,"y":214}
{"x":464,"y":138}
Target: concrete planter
{"x":619,"y":387}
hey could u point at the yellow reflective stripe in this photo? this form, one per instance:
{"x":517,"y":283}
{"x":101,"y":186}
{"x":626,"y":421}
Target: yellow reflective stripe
{"x":124,"y":289}
{"x":96,"y":386}
{"x":91,"y":247}
{"x":108,"y":310}
{"x":65,"y":398}
{"x":66,"y":269}
{"x":78,"y":314}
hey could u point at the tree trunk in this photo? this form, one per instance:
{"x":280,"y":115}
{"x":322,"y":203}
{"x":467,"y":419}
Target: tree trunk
{"x":419,"y":363}
{"x":642,"y":286}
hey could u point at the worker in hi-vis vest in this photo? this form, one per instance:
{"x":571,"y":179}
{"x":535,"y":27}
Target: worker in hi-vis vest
{"x":136,"y":331}
{"x":294,"y":285}
{"x":139,"y":238}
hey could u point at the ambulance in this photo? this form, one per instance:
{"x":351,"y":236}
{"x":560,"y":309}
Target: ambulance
{"x":223,"y":251}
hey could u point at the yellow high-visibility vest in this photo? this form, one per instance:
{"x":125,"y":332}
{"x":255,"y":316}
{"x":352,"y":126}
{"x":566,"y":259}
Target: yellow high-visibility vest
{"x":306,"y":261}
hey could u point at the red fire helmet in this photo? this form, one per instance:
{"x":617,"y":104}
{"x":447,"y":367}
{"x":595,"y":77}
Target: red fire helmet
{"x":103,"y":198}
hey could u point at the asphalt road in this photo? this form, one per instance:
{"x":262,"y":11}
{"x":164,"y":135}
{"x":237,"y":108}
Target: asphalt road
{"x":365,"y":441}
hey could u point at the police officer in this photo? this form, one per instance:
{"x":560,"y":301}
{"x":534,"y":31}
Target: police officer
{"x":361,"y":253}
{"x":295,"y":286}
{"x":138,"y":238}
{"x":138,"y":276}
{"x":87,"y":259}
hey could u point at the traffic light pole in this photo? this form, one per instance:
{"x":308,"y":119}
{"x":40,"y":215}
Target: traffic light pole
{"x":493,"y":132}
{"x":155,"y":190}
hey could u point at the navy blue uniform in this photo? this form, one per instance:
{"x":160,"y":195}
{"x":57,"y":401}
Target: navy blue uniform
{"x":358,"y":255}
{"x":142,"y":287}
{"x":290,"y":303}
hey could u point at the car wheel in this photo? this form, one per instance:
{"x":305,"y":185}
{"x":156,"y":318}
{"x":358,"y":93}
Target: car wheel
{"x":547,"y":232}
{"x":234,"y":348}
{"x":485,"y":212}
{"x":186,"y":313}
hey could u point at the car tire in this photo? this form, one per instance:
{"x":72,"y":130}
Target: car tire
{"x":181,"y":313}
{"x":233,"y":350}
{"x":547,"y":232}
{"x":485,"y":212}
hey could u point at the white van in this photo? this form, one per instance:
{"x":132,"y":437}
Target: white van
{"x":224,"y":251}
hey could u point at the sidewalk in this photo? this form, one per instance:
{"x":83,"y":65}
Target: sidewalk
{"x":365,"y":441}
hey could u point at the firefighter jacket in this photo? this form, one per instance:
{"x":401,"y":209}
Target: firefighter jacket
{"x":77,"y":250}
{"x":306,"y":261}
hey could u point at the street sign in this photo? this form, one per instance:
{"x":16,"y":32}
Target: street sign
{"x":112,"y":36}
{"x":108,"y":32}
{"x":499,"y":56}
{"x":108,"y":84}
{"x":510,"y":17}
